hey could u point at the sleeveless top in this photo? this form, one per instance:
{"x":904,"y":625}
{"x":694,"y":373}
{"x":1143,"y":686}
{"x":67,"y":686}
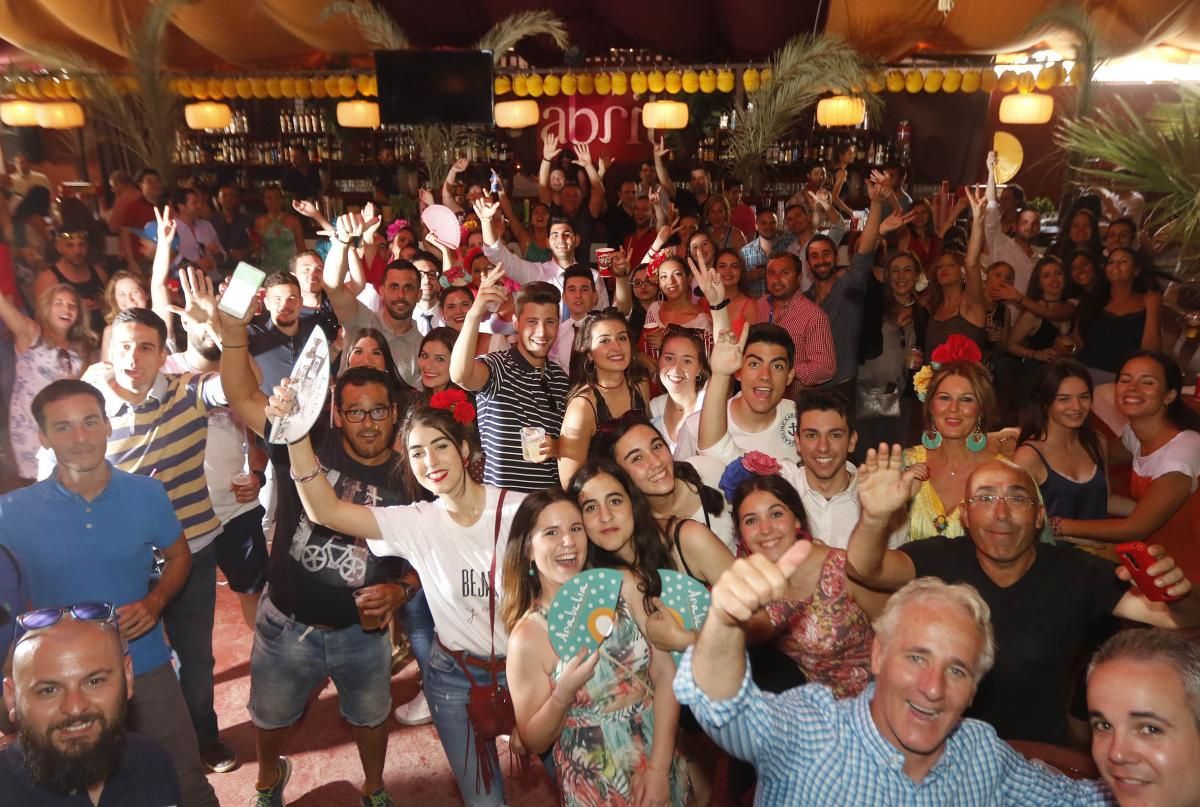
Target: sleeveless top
{"x":91,"y":289}
{"x":938,"y":331}
{"x":1109,"y":338}
{"x":1043,"y":337}
{"x":604,"y":414}
{"x":537,"y":254}
{"x":827,"y":634}
{"x":1067,"y":498}
{"x":279,"y":245}
{"x":36,"y":368}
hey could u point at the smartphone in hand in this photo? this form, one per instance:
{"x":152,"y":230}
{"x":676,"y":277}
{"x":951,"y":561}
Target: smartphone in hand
{"x":1137,"y":559}
{"x":242,"y":288}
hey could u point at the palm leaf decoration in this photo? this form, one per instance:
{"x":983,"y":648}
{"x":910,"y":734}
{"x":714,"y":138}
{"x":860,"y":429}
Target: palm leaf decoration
{"x":802,"y":71}
{"x":504,"y":35}
{"x":1157,"y":156}
{"x":146,"y":118}
{"x":376,"y":25}
{"x":1090,"y":49}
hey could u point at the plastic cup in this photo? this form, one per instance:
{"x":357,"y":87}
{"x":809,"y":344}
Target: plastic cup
{"x":369,"y":622}
{"x":241,"y":479}
{"x":604,"y":257}
{"x":1192,"y":325}
{"x":531,"y":442}
{"x":914,"y":359}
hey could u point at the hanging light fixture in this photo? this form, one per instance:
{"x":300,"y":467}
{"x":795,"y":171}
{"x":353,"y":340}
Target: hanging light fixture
{"x":841,"y":110}
{"x":665,"y":115}
{"x":516,"y":114}
{"x":207,"y":115}
{"x":60,"y":115}
{"x":1026,"y":108}
{"x":358,"y":114}
{"x":18,"y":113}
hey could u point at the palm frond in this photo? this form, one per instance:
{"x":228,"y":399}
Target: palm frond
{"x":155,"y":102}
{"x":376,"y":25}
{"x":504,"y":35}
{"x":1160,"y":159}
{"x":1090,"y":48}
{"x":802,"y":71}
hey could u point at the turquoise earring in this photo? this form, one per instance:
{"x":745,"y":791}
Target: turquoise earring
{"x":977,"y":440}
{"x":531,"y":572}
{"x":931,"y":439}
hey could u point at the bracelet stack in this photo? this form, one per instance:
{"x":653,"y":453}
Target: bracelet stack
{"x":308,"y":477}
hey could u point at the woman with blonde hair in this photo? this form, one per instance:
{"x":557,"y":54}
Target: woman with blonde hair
{"x":125,"y":290}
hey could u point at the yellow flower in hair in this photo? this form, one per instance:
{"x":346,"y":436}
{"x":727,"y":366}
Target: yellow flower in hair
{"x":921,"y":380}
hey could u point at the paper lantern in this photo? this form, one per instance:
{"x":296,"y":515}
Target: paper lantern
{"x":61,"y":115}
{"x":207,"y":115}
{"x":521,"y":88}
{"x":552,"y":84}
{"x":214,"y":88}
{"x":953,"y":81}
{"x":656,"y":81}
{"x":894,"y":81}
{"x":765,"y":75}
{"x":287,"y":87}
{"x":708,"y":81}
{"x":245,"y":89}
{"x":1025,"y":82}
{"x":1076,"y":74}
{"x":725,"y":80}
{"x":358,"y":114}
{"x":22,"y":90}
{"x":751,"y":80}
{"x":46,"y":88}
{"x":312,"y":88}
{"x":987,"y":79}
{"x":587,"y":83}
{"x":259,"y":87}
{"x":665,"y":115}
{"x":1007,"y":81}
{"x":569,"y":84}
{"x":603,"y":84}
{"x":875,"y":82}
{"x":332,"y":86}
{"x":18,"y":113}
{"x":620,"y":83}
{"x":533,"y":85}
{"x":841,"y":110}
{"x":1049,"y":77}
{"x":347,"y":86}
{"x":516,"y":114}
{"x":914,"y":80}
{"x":229,"y":87}
{"x":199,"y":89}
{"x":933,"y":80}
{"x":362,"y":82}
{"x":674,"y":82}
{"x":372,"y":86}
{"x":1026,"y":108}
{"x":503,"y":85}
{"x":690,"y":81}
{"x":637,"y":83}
{"x":970,"y":81}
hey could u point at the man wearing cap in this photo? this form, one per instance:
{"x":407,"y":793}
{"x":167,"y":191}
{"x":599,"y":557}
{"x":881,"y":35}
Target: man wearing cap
{"x":69,"y":689}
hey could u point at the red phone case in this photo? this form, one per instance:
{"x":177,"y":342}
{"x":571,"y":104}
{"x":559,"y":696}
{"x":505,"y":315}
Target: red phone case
{"x":1137,"y":559}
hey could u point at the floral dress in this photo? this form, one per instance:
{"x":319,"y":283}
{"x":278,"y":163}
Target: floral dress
{"x":828,"y":635}
{"x":609,"y":731}
{"x":37,"y":367}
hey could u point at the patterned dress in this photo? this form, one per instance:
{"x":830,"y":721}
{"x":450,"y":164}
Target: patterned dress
{"x":37,"y":367}
{"x":828,"y":635}
{"x":609,"y":732}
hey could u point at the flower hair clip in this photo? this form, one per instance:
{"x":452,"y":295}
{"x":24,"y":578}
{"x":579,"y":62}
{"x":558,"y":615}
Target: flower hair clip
{"x":395,"y":227}
{"x":955,"y":349}
{"x":753,"y":463}
{"x":456,"y":402}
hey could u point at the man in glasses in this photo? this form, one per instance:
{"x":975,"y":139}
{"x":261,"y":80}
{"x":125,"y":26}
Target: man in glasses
{"x":308,"y":626}
{"x":88,"y":533}
{"x":69,"y":690}
{"x":1044,"y":598}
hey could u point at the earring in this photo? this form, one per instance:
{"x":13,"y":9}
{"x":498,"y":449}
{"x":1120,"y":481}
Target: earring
{"x":589,"y":366}
{"x":931,"y":439}
{"x":531,"y":572}
{"x":977,"y":440}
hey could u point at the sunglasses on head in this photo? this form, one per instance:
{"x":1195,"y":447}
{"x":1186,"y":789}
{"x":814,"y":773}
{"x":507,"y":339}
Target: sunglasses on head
{"x":42,"y":618}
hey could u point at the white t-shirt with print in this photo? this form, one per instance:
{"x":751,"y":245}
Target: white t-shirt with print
{"x":1181,"y":454}
{"x":453,"y":562}
{"x":777,"y":440}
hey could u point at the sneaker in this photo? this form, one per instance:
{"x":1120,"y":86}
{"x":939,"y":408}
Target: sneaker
{"x":219,"y":757}
{"x":415,"y":712}
{"x":273,"y":795}
{"x":380,"y":798}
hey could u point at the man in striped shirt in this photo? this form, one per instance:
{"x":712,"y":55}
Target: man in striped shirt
{"x":159,"y":429}
{"x":517,"y":388}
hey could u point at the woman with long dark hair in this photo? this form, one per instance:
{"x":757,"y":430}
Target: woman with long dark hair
{"x":1058,"y":446}
{"x":743,"y":309}
{"x":610,"y":716}
{"x":1082,"y":232}
{"x":606,"y":383}
{"x":957,"y":303}
{"x":1163,"y":435}
{"x":1121,"y":315}
{"x":1037,"y":340}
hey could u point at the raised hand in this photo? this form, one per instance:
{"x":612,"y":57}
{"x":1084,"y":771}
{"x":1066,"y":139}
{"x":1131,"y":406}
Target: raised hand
{"x":371,"y":222}
{"x":621,"y":261}
{"x":661,"y":149}
{"x":166,"y":224}
{"x":486,"y":209}
{"x":977,"y":198}
{"x":822,"y":199}
{"x":991,"y":162}
{"x":884,"y":486}
{"x":752,"y":582}
{"x":425,"y":197}
{"x":282,"y":400}
{"x":460,"y":165}
{"x":879,"y":187}
{"x":551,"y":147}
{"x":583,"y":155}
{"x":602,"y":167}
{"x":199,"y":299}
{"x":305,"y":208}
{"x":726,"y":358}
{"x":896,"y":221}
{"x":707,"y":280}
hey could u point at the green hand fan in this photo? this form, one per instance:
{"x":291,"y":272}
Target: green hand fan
{"x":686,"y":599}
{"x":584,"y":611}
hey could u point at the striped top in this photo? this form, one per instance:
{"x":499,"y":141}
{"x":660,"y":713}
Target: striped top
{"x":517,"y":394}
{"x":164,"y":437}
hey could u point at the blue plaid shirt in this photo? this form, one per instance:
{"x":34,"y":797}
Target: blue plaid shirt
{"x":810,"y":749}
{"x":754,"y":256}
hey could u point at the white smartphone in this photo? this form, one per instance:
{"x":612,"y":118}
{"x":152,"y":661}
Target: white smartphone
{"x":243,"y":286}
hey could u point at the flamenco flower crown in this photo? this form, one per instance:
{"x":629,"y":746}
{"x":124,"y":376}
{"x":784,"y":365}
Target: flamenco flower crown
{"x":456,"y":402}
{"x":956,"y":348}
{"x":395,"y":227}
{"x":753,"y":463}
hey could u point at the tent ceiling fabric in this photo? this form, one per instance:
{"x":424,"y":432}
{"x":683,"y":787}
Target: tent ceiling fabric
{"x":211,"y":35}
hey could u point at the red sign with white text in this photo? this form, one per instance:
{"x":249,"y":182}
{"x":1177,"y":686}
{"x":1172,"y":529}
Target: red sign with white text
{"x":610,"y":125}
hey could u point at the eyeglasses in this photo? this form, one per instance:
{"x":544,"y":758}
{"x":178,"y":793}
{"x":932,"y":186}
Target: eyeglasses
{"x":102,"y":612}
{"x":377,"y":414}
{"x":991,"y":500}
{"x":641,"y":284}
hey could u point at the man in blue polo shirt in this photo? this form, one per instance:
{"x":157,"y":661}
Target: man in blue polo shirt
{"x":87,"y":533}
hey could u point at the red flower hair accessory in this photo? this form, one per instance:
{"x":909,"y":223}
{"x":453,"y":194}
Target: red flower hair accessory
{"x":956,"y":348}
{"x":657,"y":260}
{"x":456,"y":402}
{"x":395,"y":227}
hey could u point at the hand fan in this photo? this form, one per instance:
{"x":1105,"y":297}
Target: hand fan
{"x":441,"y":221}
{"x":584,"y":611}
{"x":686,"y":599}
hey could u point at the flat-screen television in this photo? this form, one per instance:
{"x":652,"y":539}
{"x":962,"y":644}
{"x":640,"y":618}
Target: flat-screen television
{"x":434,"y":86}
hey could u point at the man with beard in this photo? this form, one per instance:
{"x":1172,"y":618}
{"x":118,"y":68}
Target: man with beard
{"x":308,"y":267}
{"x":518,"y":388}
{"x":570,"y":205}
{"x":563,"y":251}
{"x":72,"y":268}
{"x":68,"y":691}
{"x":764,"y":246}
{"x":841,"y":294}
{"x":1044,"y":598}
{"x":805,"y":322}
{"x":308,"y":626}
{"x":87,"y":534}
{"x":760,"y":417}
{"x":277,"y":340}
{"x":399,"y":292}
{"x":198,"y":242}
{"x":1017,"y":250}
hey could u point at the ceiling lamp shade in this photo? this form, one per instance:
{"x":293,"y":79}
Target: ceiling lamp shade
{"x":358,"y":114}
{"x":516,"y":114}
{"x":18,"y":113}
{"x":1026,"y":108}
{"x":841,"y":110}
{"x":665,"y":115}
{"x":207,"y":115}
{"x":61,"y":115}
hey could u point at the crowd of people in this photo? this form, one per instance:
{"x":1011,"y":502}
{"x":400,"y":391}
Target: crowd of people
{"x":892,"y":447}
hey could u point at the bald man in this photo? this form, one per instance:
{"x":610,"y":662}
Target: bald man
{"x":1044,"y":597}
{"x":67,"y":693}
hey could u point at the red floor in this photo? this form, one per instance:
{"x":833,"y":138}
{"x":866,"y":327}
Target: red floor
{"x":325,"y":768}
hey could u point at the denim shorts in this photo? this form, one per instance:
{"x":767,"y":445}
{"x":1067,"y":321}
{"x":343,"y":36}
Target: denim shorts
{"x":291,"y":659}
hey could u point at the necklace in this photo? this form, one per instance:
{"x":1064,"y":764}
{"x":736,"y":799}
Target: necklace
{"x":909,"y":304}
{"x":614,"y":386}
